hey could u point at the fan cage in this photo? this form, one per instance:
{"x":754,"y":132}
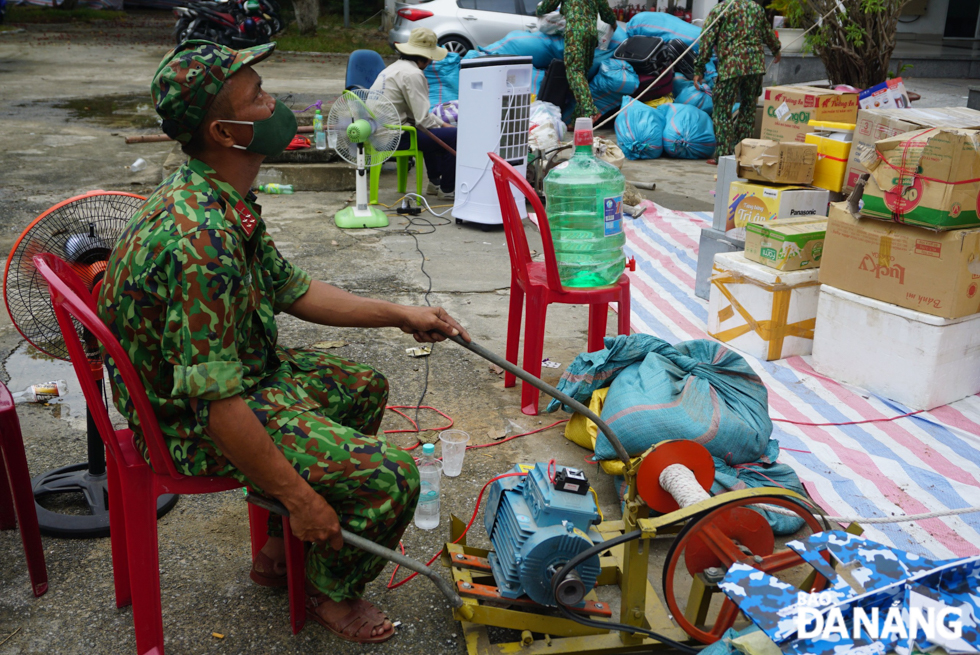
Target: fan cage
{"x":82,"y":231}
{"x":386,"y":131}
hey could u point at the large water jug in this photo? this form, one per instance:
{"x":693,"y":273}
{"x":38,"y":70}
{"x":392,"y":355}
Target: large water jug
{"x":585,"y":210}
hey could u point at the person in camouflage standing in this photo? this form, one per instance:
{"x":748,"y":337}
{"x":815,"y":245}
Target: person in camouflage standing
{"x":192,"y":290}
{"x":737,"y":37}
{"x":581,"y":40}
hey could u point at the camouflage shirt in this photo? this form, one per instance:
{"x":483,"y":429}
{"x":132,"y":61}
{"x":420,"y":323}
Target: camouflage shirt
{"x":737,"y":38}
{"x":580,"y":15}
{"x":191,"y":292}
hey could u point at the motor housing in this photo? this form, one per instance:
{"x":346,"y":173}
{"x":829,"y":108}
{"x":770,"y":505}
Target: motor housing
{"x":535,"y":529}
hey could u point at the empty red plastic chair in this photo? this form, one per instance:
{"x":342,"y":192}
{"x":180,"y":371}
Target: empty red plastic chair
{"x":133,"y":485}
{"x":539,"y":282}
{"x":16,"y":494}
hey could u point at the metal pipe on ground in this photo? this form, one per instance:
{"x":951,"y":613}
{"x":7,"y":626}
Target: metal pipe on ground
{"x":368,"y":546}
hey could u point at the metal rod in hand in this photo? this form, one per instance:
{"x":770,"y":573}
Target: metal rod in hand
{"x":369,"y":546}
{"x":438,"y":141}
{"x":551,"y":391}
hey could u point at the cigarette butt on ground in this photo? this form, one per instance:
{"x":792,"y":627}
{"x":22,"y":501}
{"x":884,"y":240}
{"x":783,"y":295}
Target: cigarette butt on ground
{"x":217,"y":635}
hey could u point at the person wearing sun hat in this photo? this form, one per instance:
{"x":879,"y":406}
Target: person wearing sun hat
{"x":191,"y":292}
{"x":404,"y":84}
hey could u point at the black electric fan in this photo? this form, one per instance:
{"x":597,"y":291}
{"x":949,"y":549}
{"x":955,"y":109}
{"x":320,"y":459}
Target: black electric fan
{"x":82,"y":231}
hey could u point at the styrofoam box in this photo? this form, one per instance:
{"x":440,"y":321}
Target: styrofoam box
{"x":919,"y":360}
{"x":754,"y":287}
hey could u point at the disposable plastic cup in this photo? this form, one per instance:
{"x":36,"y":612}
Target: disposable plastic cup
{"x":453,"y":449}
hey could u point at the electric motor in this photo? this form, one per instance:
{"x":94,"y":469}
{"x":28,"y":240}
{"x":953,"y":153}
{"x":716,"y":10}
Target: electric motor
{"x":537,"y":523}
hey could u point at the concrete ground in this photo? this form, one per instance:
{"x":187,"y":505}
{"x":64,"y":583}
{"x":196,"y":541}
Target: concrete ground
{"x":69,"y":95}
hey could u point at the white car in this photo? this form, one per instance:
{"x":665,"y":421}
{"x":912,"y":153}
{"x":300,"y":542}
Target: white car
{"x":461,"y":25}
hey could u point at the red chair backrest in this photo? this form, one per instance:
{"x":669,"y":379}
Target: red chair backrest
{"x":72,"y":299}
{"x":505,"y":175}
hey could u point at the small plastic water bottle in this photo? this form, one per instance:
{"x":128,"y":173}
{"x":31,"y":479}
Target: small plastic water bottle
{"x":275,"y":188}
{"x":321,"y":136}
{"x":430,"y":472}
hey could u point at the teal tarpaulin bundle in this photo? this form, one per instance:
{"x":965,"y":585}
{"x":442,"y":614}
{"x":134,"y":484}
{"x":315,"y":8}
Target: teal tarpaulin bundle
{"x":698,"y":390}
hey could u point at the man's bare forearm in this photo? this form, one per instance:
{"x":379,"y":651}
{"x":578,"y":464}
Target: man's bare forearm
{"x":243,"y":440}
{"x":328,"y":305}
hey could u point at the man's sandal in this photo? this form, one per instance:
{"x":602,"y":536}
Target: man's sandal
{"x":265,"y":572}
{"x":362,"y":618}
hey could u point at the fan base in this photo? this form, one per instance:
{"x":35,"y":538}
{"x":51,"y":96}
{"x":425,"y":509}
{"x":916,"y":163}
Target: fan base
{"x":347,"y":219}
{"x":76,"y":479}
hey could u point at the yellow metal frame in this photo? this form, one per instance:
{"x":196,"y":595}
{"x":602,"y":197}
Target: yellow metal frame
{"x":626,"y":565}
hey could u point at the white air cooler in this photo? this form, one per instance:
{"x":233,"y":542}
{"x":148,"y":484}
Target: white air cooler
{"x":494,"y":112}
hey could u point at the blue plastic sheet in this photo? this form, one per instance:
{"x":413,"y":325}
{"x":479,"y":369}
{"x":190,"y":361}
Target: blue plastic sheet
{"x":537,"y":77}
{"x":687,"y":93}
{"x":443,"y":79}
{"x":541,"y":47}
{"x":615,"y":79}
{"x":640,"y":130}
{"x":667,"y":26}
{"x":688,"y":132}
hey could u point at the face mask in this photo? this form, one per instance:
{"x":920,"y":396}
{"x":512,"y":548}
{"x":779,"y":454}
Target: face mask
{"x":271,"y":135}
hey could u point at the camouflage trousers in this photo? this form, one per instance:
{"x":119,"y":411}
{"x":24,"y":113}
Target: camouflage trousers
{"x":730,"y":130}
{"x":324,"y":413}
{"x":579,"y":52}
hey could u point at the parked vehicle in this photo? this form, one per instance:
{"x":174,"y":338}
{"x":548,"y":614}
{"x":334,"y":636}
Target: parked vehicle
{"x":234,"y":23}
{"x":461,"y":25}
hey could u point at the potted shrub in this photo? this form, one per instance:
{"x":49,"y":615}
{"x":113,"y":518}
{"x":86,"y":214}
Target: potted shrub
{"x":854,"y":38}
{"x":791,"y":38}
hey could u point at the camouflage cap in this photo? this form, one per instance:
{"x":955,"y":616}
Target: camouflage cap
{"x":189,"y":78}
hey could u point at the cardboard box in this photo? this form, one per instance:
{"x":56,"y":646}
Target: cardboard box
{"x":751,"y":202}
{"x":771,"y":161}
{"x":786,"y":244}
{"x":890,"y":94}
{"x":929,"y":178}
{"x":876,"y":124}
{"x":762,"y":312}
{"x":789,"y":110}
{"x":833,"y":141}
{"x":936,"y":273}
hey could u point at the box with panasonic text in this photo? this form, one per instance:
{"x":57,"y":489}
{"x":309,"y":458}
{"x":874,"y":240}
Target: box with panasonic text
{"x":936,"y":273}
{"x":759,"y":203}
{"x":788,"y":110}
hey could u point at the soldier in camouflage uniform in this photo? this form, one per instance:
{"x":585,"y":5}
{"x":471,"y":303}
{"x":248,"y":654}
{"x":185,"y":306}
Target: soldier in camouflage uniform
{"x":737,"y":37}
{"x":191,"y":291}
{"x":581,"y":40}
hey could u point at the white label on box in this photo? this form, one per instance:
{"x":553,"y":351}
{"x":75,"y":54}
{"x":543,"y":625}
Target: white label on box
{"x":770,"y":193}
{"x":781,"y":111}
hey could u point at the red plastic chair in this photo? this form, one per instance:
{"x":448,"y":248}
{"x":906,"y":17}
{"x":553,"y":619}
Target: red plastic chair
{"x":16,"y":493}
{"x":133,"y":485}
{"x":539,"y":281}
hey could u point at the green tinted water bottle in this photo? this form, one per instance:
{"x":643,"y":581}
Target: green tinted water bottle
{"x":273,"y":187}
{"x":585,"y":210}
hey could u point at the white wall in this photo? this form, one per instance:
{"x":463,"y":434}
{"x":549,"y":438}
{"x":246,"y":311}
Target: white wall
{"x":930,"y":24}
